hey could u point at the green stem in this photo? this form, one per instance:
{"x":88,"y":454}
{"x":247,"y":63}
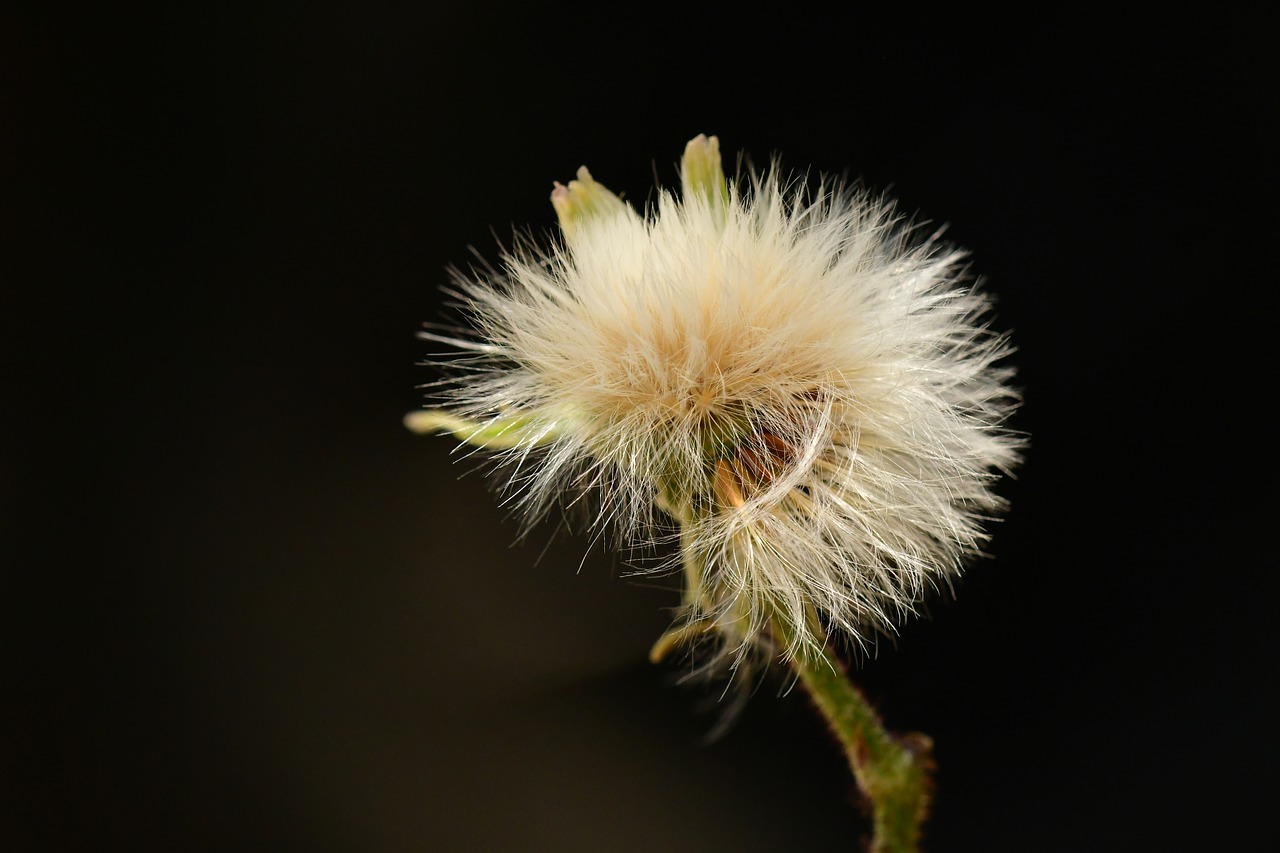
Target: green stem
{"x":893,"y":773}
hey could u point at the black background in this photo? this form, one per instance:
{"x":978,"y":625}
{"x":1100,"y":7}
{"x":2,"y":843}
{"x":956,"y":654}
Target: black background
{"x":246,"y":610}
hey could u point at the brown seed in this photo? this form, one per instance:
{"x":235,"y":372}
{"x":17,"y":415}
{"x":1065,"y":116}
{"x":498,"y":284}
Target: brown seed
{"x":728,"y":486}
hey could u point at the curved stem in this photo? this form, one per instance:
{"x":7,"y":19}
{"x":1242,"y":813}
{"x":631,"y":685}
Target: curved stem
{"x":893,"y":773}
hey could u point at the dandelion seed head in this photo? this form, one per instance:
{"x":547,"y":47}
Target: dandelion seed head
{"x":793,"y":375}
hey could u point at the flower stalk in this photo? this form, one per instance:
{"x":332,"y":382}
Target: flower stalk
{"x":893,"y":773}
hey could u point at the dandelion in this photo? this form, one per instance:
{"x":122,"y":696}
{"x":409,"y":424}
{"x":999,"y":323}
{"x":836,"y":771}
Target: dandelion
{"x":793,"y":383}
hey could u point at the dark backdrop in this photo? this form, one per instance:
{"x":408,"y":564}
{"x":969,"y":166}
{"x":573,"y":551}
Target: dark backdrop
{"x":246,"y":610}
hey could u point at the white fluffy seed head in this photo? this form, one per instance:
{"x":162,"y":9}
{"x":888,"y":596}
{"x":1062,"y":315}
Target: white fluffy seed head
{"x":806,"y":387}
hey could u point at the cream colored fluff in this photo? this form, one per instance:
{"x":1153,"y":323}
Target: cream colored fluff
{"x":807,"y":389}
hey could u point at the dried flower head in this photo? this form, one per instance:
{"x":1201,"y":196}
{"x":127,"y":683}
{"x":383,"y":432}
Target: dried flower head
{"x":794,"y":379}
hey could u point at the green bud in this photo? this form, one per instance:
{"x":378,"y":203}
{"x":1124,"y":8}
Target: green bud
{"x":701,"y":172}
{"x":583,"y":199}
{"x":500,"y":433}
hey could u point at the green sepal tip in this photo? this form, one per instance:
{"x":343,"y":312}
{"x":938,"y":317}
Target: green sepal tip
{"x":702,"y":172}
{"x":584,"y":198}
{"x":500,"y":433}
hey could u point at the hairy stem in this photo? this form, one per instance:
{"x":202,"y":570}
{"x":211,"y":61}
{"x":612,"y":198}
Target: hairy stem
{"x":894,"y":774}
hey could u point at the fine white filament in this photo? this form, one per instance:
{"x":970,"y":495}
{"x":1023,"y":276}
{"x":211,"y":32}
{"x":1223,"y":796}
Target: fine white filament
{"x":803,"y":384}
